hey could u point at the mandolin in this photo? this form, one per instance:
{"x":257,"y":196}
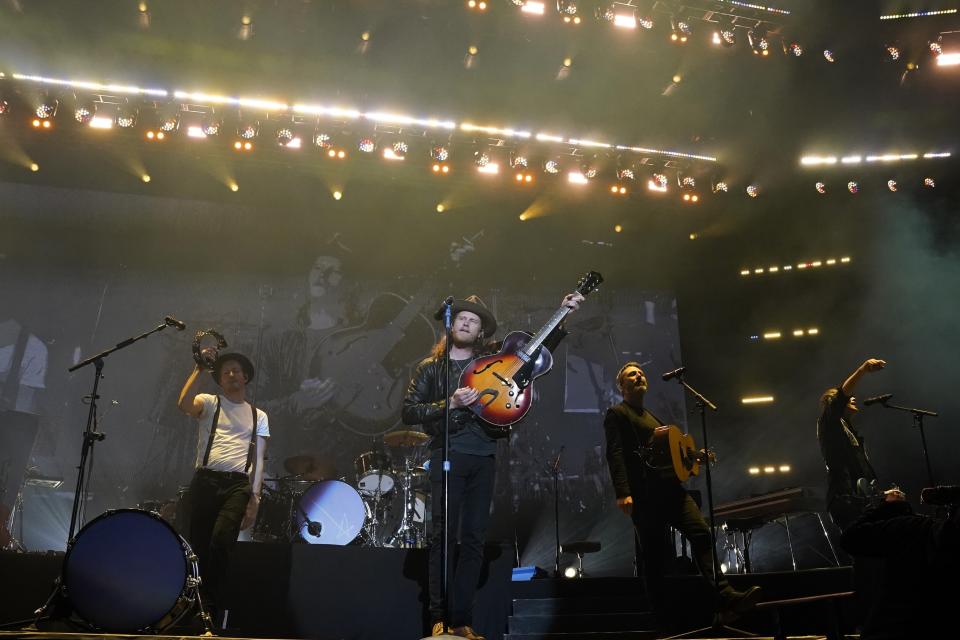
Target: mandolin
{"x":505,"y":378}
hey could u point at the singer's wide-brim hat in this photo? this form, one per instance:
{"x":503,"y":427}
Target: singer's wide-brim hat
{"x":244,"y":361}
{"x":474,"y":304}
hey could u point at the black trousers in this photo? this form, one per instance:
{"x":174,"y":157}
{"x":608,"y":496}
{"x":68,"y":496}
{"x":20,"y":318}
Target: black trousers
{"x":218,"y":502}
{"x":470,"y":492}
{"x":671,"y":505}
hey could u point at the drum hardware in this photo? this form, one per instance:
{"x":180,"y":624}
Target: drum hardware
{"x":311,"y":467}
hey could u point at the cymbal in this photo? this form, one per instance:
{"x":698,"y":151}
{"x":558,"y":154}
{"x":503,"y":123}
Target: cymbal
{"x":311,"y":467}
{"x":405,"y":438}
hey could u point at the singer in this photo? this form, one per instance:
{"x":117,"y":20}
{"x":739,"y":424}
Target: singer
{"x":225,"y":491}
{"x":655,"y":502}
{"x":472,"y":464}
{"x":841,"y":445}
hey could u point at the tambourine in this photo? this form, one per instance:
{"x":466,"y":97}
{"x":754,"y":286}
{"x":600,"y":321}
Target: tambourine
{"x":206,"y":356}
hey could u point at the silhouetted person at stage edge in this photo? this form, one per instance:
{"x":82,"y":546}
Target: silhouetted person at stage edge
{"x":918,"y":589}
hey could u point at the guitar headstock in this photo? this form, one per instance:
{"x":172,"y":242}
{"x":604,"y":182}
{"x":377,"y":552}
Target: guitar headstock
{"x":589,"y":282}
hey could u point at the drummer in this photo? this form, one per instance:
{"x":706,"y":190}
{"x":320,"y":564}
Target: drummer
{"x":225,"y":491}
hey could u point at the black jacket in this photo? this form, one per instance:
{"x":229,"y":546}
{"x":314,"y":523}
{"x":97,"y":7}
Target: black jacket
{"x":627,"y":433}
{"x":425,"y":402}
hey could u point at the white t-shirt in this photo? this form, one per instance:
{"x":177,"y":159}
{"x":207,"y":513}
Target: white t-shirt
{"x":231,"y":444}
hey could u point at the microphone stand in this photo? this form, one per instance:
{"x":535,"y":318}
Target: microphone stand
{"x":90,"y":433}
{"x":702,"y":405}
{"x":85,"y":469}
{"x":555,"y":470}
{"x":444,"y":478}
{"x":918,"y":423}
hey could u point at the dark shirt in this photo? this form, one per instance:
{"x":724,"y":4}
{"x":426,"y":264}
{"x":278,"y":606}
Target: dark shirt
{"x":918,"y":588}
{"x":842,"y":448}
{"x":424,"y":403}
{"x":627,"y":431}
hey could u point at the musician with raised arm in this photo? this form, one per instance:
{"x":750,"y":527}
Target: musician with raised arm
{"x":225,"y":490}
{"x":655,"y":501}
{"x":473,"y":445}
{"x":843,"y":452}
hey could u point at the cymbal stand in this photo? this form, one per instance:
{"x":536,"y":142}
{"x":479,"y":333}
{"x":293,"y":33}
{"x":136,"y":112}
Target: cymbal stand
{"x":407,"y":535}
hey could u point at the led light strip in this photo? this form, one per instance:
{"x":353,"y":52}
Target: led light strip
{"x":759,"y":7}
{"x":813,"y":161}
{"x":354,"y":114}
{"x":918,"y":14}
{"x":812,"y":264}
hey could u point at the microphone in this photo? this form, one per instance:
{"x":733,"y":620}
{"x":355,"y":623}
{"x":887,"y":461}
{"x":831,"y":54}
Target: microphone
{"x":443,"y":307}
{"x":670,"y":375}
{"x":875,"y":399}
{"x":170,"y":321}
{"x":314,"y":528}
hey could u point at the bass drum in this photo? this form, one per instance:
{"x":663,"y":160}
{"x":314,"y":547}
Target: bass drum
{"x":128,"y":571}
{"x":330,"y":512}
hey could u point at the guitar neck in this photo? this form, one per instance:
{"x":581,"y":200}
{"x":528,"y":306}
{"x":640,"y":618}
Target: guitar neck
{"x":535,"y":342}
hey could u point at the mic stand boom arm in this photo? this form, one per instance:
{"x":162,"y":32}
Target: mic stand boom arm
{"x":918,"y":423}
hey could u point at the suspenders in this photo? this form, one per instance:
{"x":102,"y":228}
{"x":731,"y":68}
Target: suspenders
{"x":251,"y":451}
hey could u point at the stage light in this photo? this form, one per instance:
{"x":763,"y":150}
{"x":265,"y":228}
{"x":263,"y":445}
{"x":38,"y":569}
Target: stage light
{"x":657,"y":182}
{"x":758,"y":400}
{"x":337,"y":195}
{"x":929,"y":183}
{"x":41,"y":124}
{"x":725,"y":35}
{"x":753,"y":191}
{"x":567,"y":62}
{"x":618,"y":228}
{"x":524,"y":178}
{"x":821,"y":188}
{"x":284,"y":136}
{"x":570,"y":572}
{"x":769,"y":469}
{"x":34,"y":167}
{"x":815,"y":160}
{"x":853,"y":187}
{"x":518,"y":161}
{"x":551,"y":166}
{"x":893,"y":53}
{"x":754,"y":471}
{"x":145,"y":177}
{"x":646,"y":21}
{"x":892,"y":185}
{"x":575,"y":177}
{"x":440,"y":153}
{"x":784,"y":468}
{"x":322,"y":140}
{"x":481,"y":158}
{"x":248,"y":130}
{"x":441,"y":208}
{"x":626,"y":174}
{"x":758,"y":43}
{"x":567,"y":7}
{"x":688,"y":181}
{"x":241,"y":145}
{"x":211,"y":125}
{"x":4,"y":107}
{"x":246,"y":28}
{"x":101,"y":122}
{"x":47,"y":108}
{"x":398,"y":151}
{"x":828,"y":55}
{"x":479,"y":6}
{"x":622,"y":16}
{"x":772,"y":335}
{"x":84,"y":112}
{"x":694,"y":236}
{"x":127,"y":116}
{"x":795,"y":49}
{"x":234,"y":187}
{"x":918,"y":14}
{"x":721,"y":187}
{"x":440,"y":168}
{"x":472,"y":50}
{"x":367,"y":145}
{"x":948,"y":59}
{"x":590,"y":168}
{"x":534,"y":7}
{"x":813,"y":331}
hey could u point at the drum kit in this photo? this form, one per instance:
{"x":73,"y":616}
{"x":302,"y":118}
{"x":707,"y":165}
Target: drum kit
{"x":385,"y":504}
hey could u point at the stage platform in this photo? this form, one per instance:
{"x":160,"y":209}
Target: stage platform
{"x":339,"y":593}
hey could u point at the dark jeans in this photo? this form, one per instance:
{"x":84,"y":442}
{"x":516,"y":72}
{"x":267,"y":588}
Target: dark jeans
{"x":470,"y":486}
{"x":218,"y":501}
{"x":672,"y":506}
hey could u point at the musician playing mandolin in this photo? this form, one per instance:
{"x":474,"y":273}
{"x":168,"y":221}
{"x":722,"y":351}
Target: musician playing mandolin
{"x":656,"y":501}
{"x":473,"y":445}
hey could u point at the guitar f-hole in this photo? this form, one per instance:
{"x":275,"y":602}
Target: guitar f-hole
{"x":486,"y":403}
{"x":489,"y":364}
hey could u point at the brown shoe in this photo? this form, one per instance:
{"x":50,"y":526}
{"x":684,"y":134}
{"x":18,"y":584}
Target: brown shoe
{"x":466,"y":632}
{"x":438,"y":630}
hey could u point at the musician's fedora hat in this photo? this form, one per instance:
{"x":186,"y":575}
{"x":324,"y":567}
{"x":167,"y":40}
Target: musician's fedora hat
{"x":244,"y":361}
{"x":474,"y":304}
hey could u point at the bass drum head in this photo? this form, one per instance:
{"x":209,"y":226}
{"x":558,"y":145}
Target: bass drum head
{"x":125,"y":571}
{"x":338,"y":510}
